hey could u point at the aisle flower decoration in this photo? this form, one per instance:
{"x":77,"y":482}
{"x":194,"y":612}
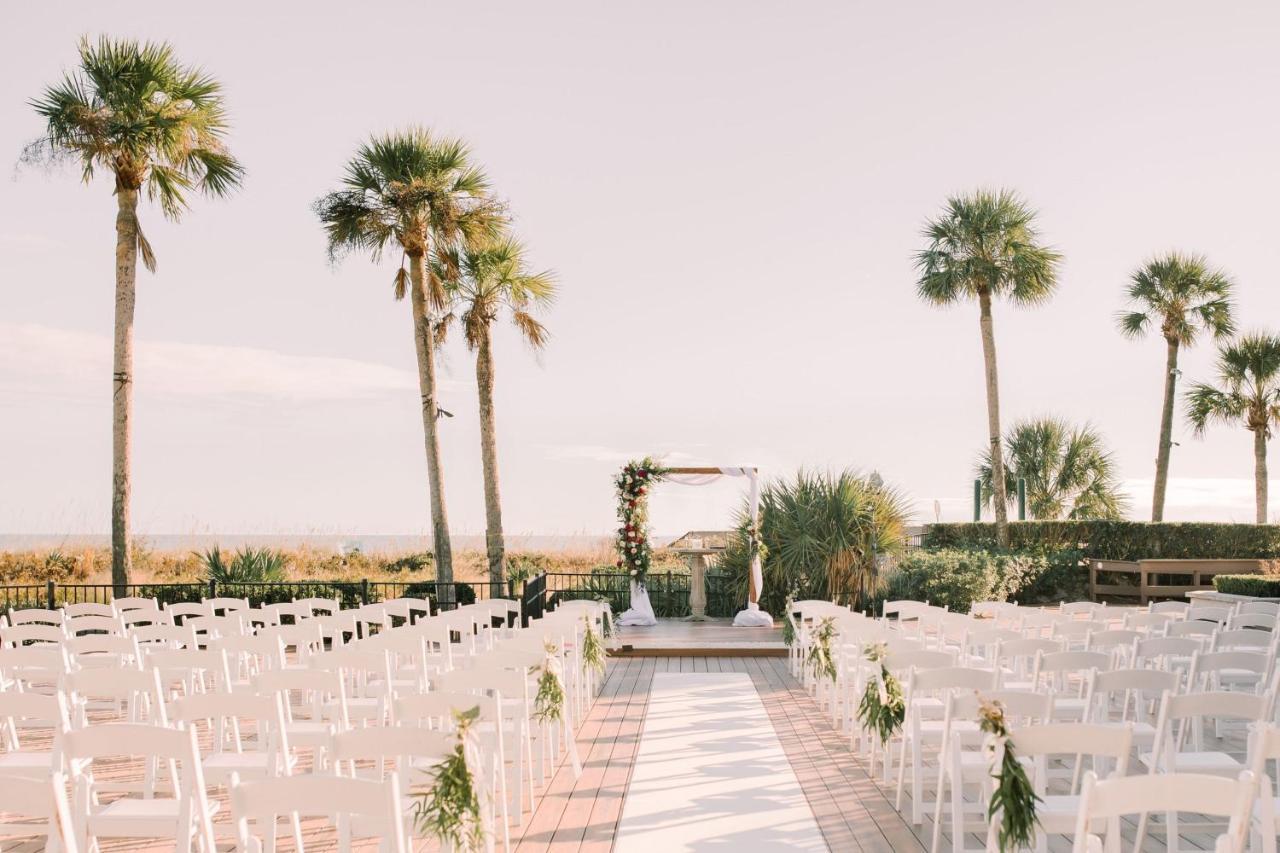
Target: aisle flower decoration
{"x":451,"y":808}
{"x":820,"y":659}
{"x":635,"y":553}
{"x":548,"y":704}
{"x":1014,"y":799}
{"x":592,"y":647}
{"x":788,"y":629}
{"x":882,"y":708}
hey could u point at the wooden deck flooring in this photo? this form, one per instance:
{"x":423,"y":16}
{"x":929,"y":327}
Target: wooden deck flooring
{"x":853,"y":814}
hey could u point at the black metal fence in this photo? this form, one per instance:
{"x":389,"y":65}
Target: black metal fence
{"x":350,"y":593}
{"x":668,"y":591}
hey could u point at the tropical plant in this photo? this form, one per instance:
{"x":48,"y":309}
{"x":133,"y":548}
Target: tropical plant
{"x":248,"y":565}
{"x":1068,"y":470}
{"x":484,"y":282}
{"x":1249,"y":394}
{"x":825,"y":534}
{"x":1186,"y":299}
{"x":984,"y":246}
{"x":420,"y":194}
{"x":156,"y":125}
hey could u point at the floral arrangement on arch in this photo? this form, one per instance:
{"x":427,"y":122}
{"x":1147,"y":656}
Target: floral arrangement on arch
{"x":635,"y":553}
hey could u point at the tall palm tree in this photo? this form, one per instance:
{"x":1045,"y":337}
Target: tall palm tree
{"x":412,"y":191}
{"x":1068,"y":470}
{"x":156,"y":125}
{"x":484,"y":282}
{"x":1249,"y":370}
{"x":984,"y":246}
{"x":1186,"y":298}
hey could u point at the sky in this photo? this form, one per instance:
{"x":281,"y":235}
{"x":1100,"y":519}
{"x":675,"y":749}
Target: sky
{"x":730,"y":194}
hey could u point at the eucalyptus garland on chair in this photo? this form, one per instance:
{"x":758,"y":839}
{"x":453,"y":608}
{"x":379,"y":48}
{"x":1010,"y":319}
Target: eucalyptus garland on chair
{"x":450,"y":809}
{"x":635,"y":553}
{"x":788,"y":627}
{"x":820,"y":659}
{"x":592,"y":647}
{"x":882,"y":708}
{"x":548,"y":704}
{"x":1014,"y":799}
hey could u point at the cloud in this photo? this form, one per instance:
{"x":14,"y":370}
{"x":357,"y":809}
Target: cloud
{"x":602,"y":453}
{"x":40,"y":358}
{"x":17,"y":241}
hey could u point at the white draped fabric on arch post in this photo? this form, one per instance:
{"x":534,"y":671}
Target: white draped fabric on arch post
{"x":641,"y":611}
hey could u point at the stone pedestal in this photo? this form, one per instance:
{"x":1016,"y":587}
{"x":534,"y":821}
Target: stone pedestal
{"x":697,"y":560}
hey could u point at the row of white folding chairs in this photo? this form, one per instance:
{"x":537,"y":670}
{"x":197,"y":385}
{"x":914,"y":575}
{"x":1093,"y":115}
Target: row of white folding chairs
{"x":282,"y":680}
{"x":1064,"y":761}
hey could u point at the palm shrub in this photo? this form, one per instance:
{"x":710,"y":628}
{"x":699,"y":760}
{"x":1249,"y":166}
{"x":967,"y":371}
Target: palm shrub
{"x":1068,"y":470}
{"x":826,"y":536}
{"x":247,"y":565}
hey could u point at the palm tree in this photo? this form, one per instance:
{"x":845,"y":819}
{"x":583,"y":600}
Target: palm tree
{"x":1249,"y":370}
{"x":1068,"y":470}
{"x":484,"y":282}
{"x":1186,"y":298}
{"x":983,"y":246}
{"x":156,"y":125}
{"x":420,"y":194}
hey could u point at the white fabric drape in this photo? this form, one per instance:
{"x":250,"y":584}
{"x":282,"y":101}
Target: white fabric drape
{"x":641,"y":611}
{"x":753,"y":616}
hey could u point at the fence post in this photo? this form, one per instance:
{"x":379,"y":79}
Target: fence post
{"x":1022,"y":499}
{"x":977,"y":501}
{"x":364,"y":591}
{"x":213,"y":588}
{"x":50,"y":588}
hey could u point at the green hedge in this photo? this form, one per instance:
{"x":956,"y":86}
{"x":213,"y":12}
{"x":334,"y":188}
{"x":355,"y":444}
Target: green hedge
{"x":1262,"y":586}
{"x":1120,"y":540}
{"x":956,"y":577}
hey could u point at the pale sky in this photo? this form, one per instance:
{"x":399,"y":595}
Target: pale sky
{"x":730,"y":193}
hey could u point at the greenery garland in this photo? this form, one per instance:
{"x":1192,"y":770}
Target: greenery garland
{"x":882,"y":708}
{"x":820,"y":659}
{"x":788,"y":629}
{"x":635,"y":553}
{"x":548,"y":705}
{"x":592,"y":647}
{"x":450,"y":808}
{"x":1014,"y":799}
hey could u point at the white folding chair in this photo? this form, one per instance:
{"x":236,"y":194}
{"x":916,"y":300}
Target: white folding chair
{"x":1264,"y":747}
{"x":42,"y":809}
{"x":1075,"y":744}
{"x":263,"y":801}
{"x":35,"y":714}
{"x":1105,"y":802}
{"x":185,"y":816}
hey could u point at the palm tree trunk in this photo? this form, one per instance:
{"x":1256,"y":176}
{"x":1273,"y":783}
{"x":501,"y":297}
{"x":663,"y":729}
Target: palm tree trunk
{"x":424,"y":343}
{"x":1166,"y":432}
{"x":489,"y":462}
{"x":122,"y":386}
{"x":998,"y":496}
{"x":1260,"y":472}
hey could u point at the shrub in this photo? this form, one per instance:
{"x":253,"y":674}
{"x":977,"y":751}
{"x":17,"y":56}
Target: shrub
{"x":1262,"y":586}
{"x":956,"y":578}
{"x":249,"y":565}
{"x":465,"y":593}
{"x":410,"y":562}
{"x":1120,"y":540}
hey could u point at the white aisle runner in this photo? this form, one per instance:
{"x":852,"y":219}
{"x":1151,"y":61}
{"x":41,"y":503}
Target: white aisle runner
{"x":710,"y":773}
